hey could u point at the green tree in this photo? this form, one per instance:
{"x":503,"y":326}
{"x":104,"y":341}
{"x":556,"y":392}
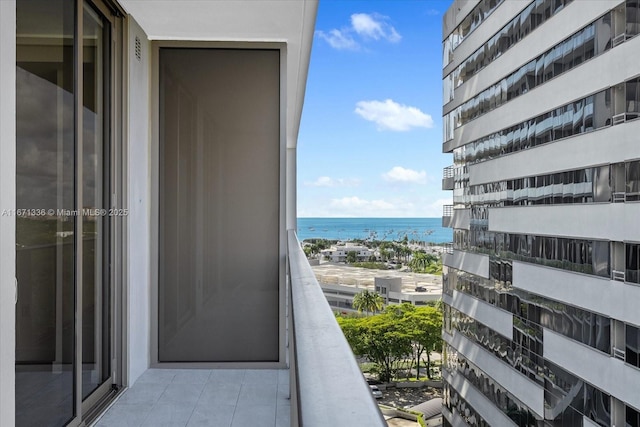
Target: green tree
{"x":367,"y":301}
{"x":418,"y":262}
{"x":380,"y":339}
{"x":422,"y":262}
{"x":352,"y":257}
{"x":423,"y":326}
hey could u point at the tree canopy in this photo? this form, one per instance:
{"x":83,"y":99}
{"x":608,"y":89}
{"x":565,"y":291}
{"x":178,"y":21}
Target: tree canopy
{"x":400,"y":332}
{"x":368,"y":301}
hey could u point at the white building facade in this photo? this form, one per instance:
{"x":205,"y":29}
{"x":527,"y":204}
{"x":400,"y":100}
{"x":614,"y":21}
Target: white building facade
{"x":339,"y":253}
{"x":138,"y":140}
{"x":541,"y":290}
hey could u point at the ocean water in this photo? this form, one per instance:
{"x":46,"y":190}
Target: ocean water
{"x":421,"y":229}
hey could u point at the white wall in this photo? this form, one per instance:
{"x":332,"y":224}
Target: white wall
{"x":461,"y":219}
{"x":477,"y":264}
{"x":592,"y":76}
{"x":613,"y":144}
{"x":498,"y":19}
{"x":601,"y":370}
{"x":138,"y":331}
{"x":7,"y":201}
{"x":497,"y":319}
{"x":482,"y":405}
{"x":608,"y":297}
{"x":523,"y":389}
{"x":566,"y":22}
{"x":605,"y":221}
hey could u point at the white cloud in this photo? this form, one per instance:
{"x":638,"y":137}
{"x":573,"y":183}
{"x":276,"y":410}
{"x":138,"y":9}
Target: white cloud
{"x":374,"y":27}
{"x":325,"y":181}
{"x":400,"y":174}
{"x":339,"y":39}
{"x":363,"y":25}
{"x":390,"y":115}
{"x":356,"y":205}
{"x":396,"y":205}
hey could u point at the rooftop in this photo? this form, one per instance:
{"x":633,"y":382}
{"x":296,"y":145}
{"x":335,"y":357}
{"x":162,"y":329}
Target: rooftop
{"x":328,"y":274}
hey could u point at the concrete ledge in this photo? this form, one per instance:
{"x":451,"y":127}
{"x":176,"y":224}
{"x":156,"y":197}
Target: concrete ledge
{"x":325,"y":372}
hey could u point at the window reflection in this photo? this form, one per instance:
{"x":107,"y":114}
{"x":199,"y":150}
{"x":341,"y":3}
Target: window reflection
{"x":518,"y":28}
{"x":456,"y":364}
{"x":456,"y":404}
{"x":632,"y":262}
{"x":572,"y":399}
{"x":585,"y":115}
{"x":556,"y":61}
{"x":479,"y":13}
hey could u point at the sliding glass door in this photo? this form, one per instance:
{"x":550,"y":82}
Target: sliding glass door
{"x":63,"y":251}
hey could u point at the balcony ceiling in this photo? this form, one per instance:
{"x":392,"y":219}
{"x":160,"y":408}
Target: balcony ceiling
{"x":287,"y":21}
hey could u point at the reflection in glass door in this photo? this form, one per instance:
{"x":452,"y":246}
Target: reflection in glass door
{"x":63,"y":318}
{"x":95,"y":248}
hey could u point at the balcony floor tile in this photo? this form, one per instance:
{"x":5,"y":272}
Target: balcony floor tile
{"x":192,"y":397}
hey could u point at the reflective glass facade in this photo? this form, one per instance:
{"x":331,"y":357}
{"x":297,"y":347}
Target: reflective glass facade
{"x":533,"y":16}
{"x":577,"y":311}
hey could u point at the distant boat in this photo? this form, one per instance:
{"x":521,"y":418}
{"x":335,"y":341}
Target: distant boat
{"x":312,"y":229}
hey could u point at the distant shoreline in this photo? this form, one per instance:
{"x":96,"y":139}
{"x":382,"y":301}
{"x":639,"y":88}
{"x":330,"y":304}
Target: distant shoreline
{"x":422,"y":229}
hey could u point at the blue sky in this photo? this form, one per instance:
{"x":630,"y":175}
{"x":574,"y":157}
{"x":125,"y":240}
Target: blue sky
{"x":370,"y":142}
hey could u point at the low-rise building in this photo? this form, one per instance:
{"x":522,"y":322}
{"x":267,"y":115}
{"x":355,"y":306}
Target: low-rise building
{"x":338,"y":253}
{"x":341,"y":283}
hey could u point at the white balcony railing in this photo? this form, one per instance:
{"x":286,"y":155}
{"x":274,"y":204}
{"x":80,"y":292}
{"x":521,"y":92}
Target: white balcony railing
{"x":327,"y":386}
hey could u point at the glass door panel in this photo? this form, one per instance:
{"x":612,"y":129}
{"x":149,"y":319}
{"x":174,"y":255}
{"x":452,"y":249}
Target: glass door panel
{"x":63,"y":315}
{"x":45,"y":312}
{"x":95,"y":191}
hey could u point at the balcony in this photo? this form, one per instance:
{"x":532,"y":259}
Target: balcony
{"x":447,"y":215}
{"x":322,"y":387}
{"x":447,"y":178}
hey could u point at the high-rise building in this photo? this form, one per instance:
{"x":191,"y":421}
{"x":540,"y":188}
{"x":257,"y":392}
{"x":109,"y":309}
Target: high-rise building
{"x":542,"y":286}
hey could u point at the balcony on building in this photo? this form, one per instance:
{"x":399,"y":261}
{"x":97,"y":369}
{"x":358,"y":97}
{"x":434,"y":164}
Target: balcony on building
{"x":322,"y":374}
{"x":447,"y":178}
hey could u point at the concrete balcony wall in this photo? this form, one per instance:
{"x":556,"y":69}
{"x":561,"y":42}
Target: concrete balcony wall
{"x":324,"y":372}
{"x":467,"y":261}
{"x":601,"y":370}
{"x":523,"y":389}
{"x":497,"y":319}
{"x":454,"y":418}
{"x":7,"y":201}
{"x":461,"y":219}
{"x":600,"y":221}
{"x":561,"y":25}
{"x":138,"y":246}
{"x":615,"y":143}
{"x":501,"y":16}
{"x":592,"y":76}
{"x":483,"y":406}
{"x":600,"y":295}
{"x":448,"y":183}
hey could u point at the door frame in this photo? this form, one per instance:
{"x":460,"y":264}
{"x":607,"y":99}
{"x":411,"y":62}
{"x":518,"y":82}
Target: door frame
{"x":92,"y":405}
{"x":113,"y":158}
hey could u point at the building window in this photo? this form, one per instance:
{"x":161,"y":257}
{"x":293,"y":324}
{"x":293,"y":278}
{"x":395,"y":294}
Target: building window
{"x":632,"y":340}
{"x":632,"y":416}
{"x":632,"y":264}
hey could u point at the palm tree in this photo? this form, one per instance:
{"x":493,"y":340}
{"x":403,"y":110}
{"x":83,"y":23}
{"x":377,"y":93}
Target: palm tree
{"x":368,"y":301}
